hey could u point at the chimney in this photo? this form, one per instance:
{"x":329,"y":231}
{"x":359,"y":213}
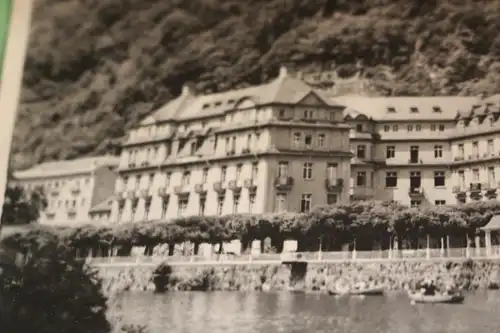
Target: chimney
{"x":187,"y":89}
{"x":283,"y":72}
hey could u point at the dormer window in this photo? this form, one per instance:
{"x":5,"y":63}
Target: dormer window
{"x":359,"y":127}
{"x":413,"y":109}
{"x":206,"y":106}
{"x":308,"y":114}
{"x":231,"y":101}
{"x":391,"y":109}
{"x":218,"y":103}
{"x":436,"y":109}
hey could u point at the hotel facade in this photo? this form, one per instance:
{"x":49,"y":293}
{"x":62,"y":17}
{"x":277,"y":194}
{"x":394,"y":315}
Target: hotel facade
{"x":72,"y":187}
{"x":281,"y":146}
{"x":424,"y":150}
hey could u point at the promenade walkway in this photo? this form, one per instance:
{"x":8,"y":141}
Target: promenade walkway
{"x":456,"y":254}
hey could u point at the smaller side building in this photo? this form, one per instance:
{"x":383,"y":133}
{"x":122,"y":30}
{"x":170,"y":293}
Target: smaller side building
{"x":72,"y":187}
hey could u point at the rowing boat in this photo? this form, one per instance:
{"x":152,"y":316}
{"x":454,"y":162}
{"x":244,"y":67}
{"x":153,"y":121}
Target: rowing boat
{"x":373,"y":291}
{"x":438,"y":298}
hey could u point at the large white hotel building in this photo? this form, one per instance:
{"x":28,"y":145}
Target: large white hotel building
{"x":287,"y":146}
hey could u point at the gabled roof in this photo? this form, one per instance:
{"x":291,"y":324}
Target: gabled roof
{"x":428,"y":108}
{"x":494,"y":223}
{"x":285,"y":89}
{"x":103,"y":206}
{"x":67,"y":167}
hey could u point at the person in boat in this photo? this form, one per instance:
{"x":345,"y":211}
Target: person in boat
{"x":428,"y":287}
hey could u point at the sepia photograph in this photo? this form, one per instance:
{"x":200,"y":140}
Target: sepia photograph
{"x":250,"y":166}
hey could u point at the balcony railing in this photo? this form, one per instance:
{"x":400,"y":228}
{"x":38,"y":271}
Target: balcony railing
{"x":431,"y":254}
{"x":162,"y":191}
{"x":416,"y":192}
{"x":219,"y":187}
{"x":250,"y":184}
{"x":283,"y":183}
{"x":234,"y":186}
{"x":200,"y":188}
{"x":181,"y":189}
{"x":334,"y":184}
{"x":475,"y":187}
{"x":131,"y":194}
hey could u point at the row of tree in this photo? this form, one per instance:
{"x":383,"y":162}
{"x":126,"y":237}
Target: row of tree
{"x":366,"y":222}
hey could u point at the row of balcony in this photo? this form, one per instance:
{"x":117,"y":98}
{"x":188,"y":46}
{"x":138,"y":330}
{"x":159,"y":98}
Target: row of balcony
{"x":200,"y":188}
{"x":281,"y":184}
{"x":74,"y":190}
{"x":477,"y":157}
{"x":476,"y":186}
{"x":285,"y":183}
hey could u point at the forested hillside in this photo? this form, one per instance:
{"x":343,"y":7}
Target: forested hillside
{"x":96,"y":66}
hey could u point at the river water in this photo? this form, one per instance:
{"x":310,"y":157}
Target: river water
{"x":186,"y":312}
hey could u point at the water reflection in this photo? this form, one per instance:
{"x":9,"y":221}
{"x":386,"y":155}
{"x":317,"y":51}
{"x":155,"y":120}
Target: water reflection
{"x":285,"y":312}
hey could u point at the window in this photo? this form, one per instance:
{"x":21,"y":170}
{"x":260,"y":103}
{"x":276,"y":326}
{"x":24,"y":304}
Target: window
{"x":440,"y":202}
{"x":413,"y":109}
{"x":436,"y":109}
{"x":233,"y":144}
{"x":182,"y":206}
{"x":193,"y":148}
{"x":491,"y":147}
{"x":461,"y":179}
{"x":236,"y":203}
{"x":238,"y":171}
{"x":438,"y":151}
{"x":223,"y":173}
{"x":308,"y":141}
{"x":185,"y":178}
{"x":321,"y":140}
{"x":220,"y":204}
{"x":461,"y":150}
{"x":418,"y":127}
{"x":359,"y":127}
{"x":308,"y":114}
{"x":395,"y":128}
{"x":331,"y":171}
{"x":204,"y":176}
{"x":280,"y":202}
{"x":475,"y":175}
{"x":281,"y":114}
{"x":249,"y":141}
{"x":251,"y":202}
{"x":202,"y":205}
{"x":415,"y":203}
{"x":441,"y":128}
{"x":282,"y":169}
{"x":439,"y":179}
{"x":307,"y":171}
{"x":410,"y":128}
{"x":387,"y":128}
{"x":390,"y":151}
{"x":391,"y":109}
{"x":331,"y":198}
{"x":135,"y":203}
{"x":433,"y":128}
{"x":228,"y":144}
{"x":361,"y":151}
{"x":361,"y":179}
{"x":391,"y":179}
{"x":491,"y":177}
{"x":150,"y":180}
{"x":147,"y":207}
{"x":306,"y":203}
{"x":475,"y":148}
{"x":296,"y":139}
{"x":255,"y":170}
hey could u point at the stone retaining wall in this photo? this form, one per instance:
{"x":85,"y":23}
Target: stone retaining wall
{"x":319,"y":277}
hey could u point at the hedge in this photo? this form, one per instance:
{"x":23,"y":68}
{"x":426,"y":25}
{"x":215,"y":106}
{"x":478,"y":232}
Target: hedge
{"x":335,"y":225}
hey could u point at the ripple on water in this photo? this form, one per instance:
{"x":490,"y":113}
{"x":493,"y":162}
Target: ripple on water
{"x":216,"y":312}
